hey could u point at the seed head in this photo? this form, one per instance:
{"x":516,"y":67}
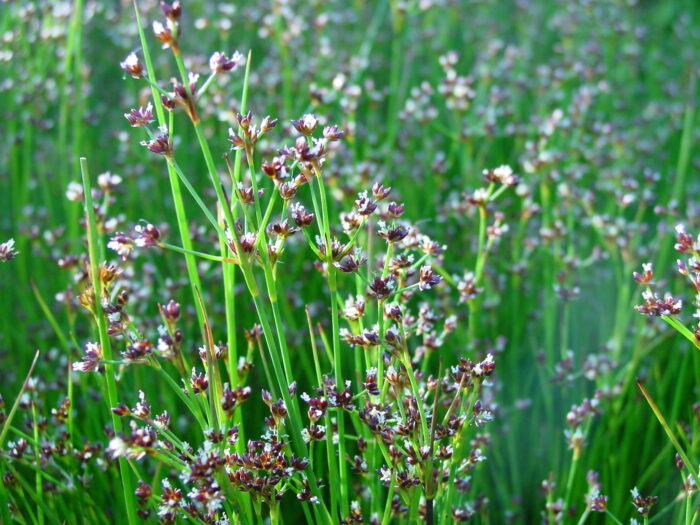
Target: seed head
{"x":132,"y":65}
{"x":428,"y":278}
{"x":121,"y":243}
{"x":219,"y":62}
{"x":655,"y":306}
{"x":164,"y":33}
{"x":300,"y":216}
{"x":171,"y":11}
{"x":141,"y":116}
{"x":7,"y":250}
{"x":306,"y":124}
{"x":647,"y":274}
{"x":91,"y":358}
{"x":160,"y":145}
{"x":146,"y":236}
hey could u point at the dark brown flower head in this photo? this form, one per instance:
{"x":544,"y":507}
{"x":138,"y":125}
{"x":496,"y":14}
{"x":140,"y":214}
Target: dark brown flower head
{"x":171,"y":311}
{"x":108,"y":274}
{"x":132,"y":65}
{"x":428,"y":278}
{"x":646,"y":276}
{"x":306,"y":124}
{"x":656,"y":306}
{"x":219,"y":62}
{"x":276,"y":169}
{"x":305,"y":154}
{"x":142,"y":409}
{"x":143,"y":493}
{"x":218,"y":351}
{"x":198,"y":382}
{"x":267,"y":124}
{"x":230,"y":399}
{"x":503,"y":175}
{"x":370,"y":382}
{"x":379,"y":192}
{"x":336,"y":247}
{"x":288,"y":190}
{"x":351,"y":262}
{"x":684,"y":241}
{"x":146,"y":236}
{"x":247,"y":194}
{"x":364,"y":204}
{"x":138,"y":351}
{"x":351,"y":221}
{"x":317,"y":406}
{"x":168,"y":103}
{"x":7,"y":251}
{"x":300,"y":216}
{"x":643,"y":504}
{"x":597,"y":502}
{"x":341,"y":399}
{"x":394,"y":210}
{"x":331,"y":133}
{"x":172,"y":11}
{"x":141,"y":116}
{"x":248,"y":241}
{"x":185,"y":95}
{"x":429,"y":246}
{"x":354,"y":308}
{"x":281,"y":229}
{"x":392,"y":234}
{"x":382,"y":288}
{"x":164,"y":33}
{"x":254,"y":335}
{"x":244,"y":121}
{"x":237,"y":142}
{"x":160,"y":145}
{"x":91,"y":359}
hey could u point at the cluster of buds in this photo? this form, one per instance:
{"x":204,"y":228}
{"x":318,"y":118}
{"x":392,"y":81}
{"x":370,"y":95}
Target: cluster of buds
{"x":7,"y":251}
{"x":467,"y":288}
{"x":642,"y":504}
{"x":575,"y":419}
{"x":263,"y":469}
{"x":656,"y":306}
{"x":219,"y":62}
{"x":168,"y":34}
{"x":249,"y":133}
{"x":595,"y":501}
{"x":160,"y":144}
{"x":301,"y":217}
{"x":138,"y":351}
{"x":140,"y":442}
{"x":143,"y":236}
{"x":310,"y":151}
{"x":646,"y":275}
{"x":502,"y":175}
{"x":140,"y":117}
{"x":231,"y":399}
{"x":467,"y":372}
{"x":91,"y":359}
{"x":169,"y":336}
{"x":132,"y":66}
{"x":352,"y":262}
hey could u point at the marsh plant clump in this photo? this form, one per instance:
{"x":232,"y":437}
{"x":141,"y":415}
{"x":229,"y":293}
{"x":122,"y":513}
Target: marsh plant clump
{"x":349,"y":262}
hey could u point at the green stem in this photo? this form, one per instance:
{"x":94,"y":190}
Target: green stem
{"x":105,"y":344}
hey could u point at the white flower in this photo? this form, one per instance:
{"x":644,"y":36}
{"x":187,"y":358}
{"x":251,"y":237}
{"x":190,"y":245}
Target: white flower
{"x":118,"y":447}
{"x":74,"y":192}
{"x":7,"y":250}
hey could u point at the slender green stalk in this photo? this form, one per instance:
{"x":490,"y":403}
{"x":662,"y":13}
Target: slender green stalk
{"x":105,"y":344}
{"x":180,"y":214}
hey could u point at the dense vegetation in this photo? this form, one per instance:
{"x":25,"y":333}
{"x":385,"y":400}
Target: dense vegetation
{"x":349,"y":261}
